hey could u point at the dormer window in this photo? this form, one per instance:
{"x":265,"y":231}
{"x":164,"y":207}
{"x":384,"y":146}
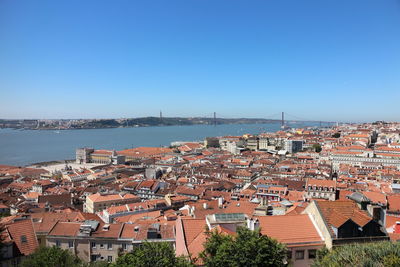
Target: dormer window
{"x":24,"y":239}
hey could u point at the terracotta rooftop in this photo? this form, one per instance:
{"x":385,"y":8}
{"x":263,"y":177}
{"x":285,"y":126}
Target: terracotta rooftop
{"x":338,"y":212}
{"x":23,"y":234}
{"x":320,"y":182}
{"x":166,"y":230}
{"x":65,"y":229}
{"x":394,"y":203}
{"x":291,"y":230}
{"x":101,"y":198}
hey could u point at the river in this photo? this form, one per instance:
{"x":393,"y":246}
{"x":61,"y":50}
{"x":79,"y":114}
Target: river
{"x":24,"y":147}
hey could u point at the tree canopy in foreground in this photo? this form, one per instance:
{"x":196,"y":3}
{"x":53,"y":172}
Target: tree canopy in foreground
{"x":246,"y":248}
{"x":151,"y":254}
{"x":377,"y":254}
{"x":51,"y":256}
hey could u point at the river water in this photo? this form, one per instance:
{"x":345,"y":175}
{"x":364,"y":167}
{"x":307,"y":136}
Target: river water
{"x":23,"y":147}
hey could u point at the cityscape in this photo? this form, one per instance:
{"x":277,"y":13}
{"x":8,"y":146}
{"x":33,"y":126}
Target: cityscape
{"x":199,"y":133}
{"x":340,"y":184}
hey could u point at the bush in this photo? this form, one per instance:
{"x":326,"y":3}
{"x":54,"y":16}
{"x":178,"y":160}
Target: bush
{"x":151,"y":254}
{"x":52,"y":256}
{"x":377,"y":254}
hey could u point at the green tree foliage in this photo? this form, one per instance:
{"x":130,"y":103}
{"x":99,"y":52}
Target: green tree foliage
{"x":317,"y":148}
{"x":52,"y":256}
{"x":336,"y":135}
{"x":151,"y":254}
{"x":379,"y":254}
{"x":247,"y":248}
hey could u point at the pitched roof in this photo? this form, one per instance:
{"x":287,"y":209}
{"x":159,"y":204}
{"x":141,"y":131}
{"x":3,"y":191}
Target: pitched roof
{"x":166,"y":230}
{"x":192,"y":228}
{"x":194,"y":236}
{"x":336,"y":213}
{"x":65,"y":229}
{"x":320,"y":182}
{"x":100,"y":198}
{"x":291,"y":230}
{"x":23,"y":234}
{"x":394,"y":202}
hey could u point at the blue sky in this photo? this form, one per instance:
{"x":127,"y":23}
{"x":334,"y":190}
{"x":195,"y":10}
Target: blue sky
{"x":323,"y":60}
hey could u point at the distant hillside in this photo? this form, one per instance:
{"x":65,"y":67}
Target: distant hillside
{"x":129,"y":122}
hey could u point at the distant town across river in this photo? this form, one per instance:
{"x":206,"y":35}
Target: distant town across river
{"x":31,"y":146}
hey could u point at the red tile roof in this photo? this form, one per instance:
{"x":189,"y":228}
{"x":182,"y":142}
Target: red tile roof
{"x":338,"y":212}
{"x":65,"y":229}
{"x":291,"y":230}
{"x":23,"y":234}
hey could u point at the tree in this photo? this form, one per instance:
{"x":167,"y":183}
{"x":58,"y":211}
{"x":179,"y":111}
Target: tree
{"x":378,"y":254}
{"x":317,"y":148}
{"x":246,"y":248}
{"x":52,"y":256}
{"x":151,"y":254}
{"x":336,"y":135}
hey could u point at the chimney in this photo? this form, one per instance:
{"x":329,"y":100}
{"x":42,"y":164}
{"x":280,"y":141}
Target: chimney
{"x":220,"y":202}
{"x":205,"y":205}
{"x":249,"y":223}
{"x":192,"y":209}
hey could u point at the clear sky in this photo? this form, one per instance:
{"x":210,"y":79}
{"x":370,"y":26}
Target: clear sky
{"x":323,"y":60}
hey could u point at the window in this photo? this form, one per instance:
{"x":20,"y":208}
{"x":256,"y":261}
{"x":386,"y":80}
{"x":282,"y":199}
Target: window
{"x":24,"y":239}
{"x":70,"y":244}
{"x":109,"y":246}
{"x":93,"y":244}
{"x":312,"y":253}
{"x":93,"y":257}
{"x":101,"y":245}
{"x":109,"y":258}
{"x":58,"y":243}
{"x":124,"y":246}
{"x":299,"y":254}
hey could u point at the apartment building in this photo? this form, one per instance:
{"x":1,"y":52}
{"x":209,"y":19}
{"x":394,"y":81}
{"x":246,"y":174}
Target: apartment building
{"x":98,"y":202}
{"x":321,"y":189}
{"x":93,"y":241}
